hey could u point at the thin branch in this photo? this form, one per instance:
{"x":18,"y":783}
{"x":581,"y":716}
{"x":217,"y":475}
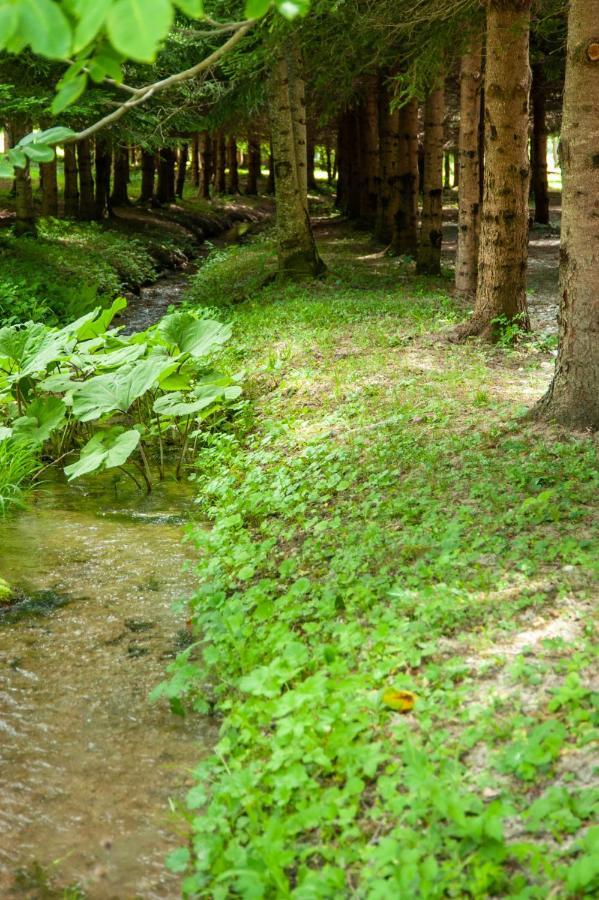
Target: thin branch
{"x":144,"y":93}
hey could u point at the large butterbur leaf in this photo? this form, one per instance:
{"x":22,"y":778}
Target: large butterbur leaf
{"x":105,"y":450}
{"x":41,"y":419}
{"x":212,"y":390}
{"x":198,"y":337}
{"x":115,"y":392}
{"x":29,"y":349}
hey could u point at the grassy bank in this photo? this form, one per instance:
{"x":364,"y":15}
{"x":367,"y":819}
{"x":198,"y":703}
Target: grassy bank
{"x":388,"y":523}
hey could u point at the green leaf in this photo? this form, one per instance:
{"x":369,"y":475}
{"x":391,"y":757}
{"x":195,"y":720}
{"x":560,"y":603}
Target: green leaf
{"x":198,"y":337}
{"x":39,"y":153}
{"x":44,"y":27}
{"x":68,"y":93}
{"x":41,"y":418}
{"x":255,"y":9}
{"x":192,"y":8}
{"x":8,"y":23}
{"x":136,"y":27}
{"x":118,"y":390}
{"x":50,"y":136}
{"x":178,"y":860}
{"x":17,"y":157}
{"x":291,"y":9}
{"x":105,"y":450}
{"x":92,"y":18}
{"x":6,"y":168}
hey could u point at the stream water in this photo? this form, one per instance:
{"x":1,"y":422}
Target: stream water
{"x":88,"y":765}
{"x":89,"y":769}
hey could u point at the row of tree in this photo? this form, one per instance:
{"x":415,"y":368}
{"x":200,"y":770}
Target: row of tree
{"x":386,"y":99}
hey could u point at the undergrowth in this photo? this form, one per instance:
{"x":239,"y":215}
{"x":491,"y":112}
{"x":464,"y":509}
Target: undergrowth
{"x":389,"y":524}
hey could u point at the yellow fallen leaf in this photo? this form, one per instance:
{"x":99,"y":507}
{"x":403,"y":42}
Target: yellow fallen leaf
{"x":400,"y":701}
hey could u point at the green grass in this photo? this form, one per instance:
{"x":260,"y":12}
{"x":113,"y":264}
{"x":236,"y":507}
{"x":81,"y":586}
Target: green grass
{"x":387,"y":520}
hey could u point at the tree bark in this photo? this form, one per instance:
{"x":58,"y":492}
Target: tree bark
{"x":103,"y":167}
{"x":466,"y":266}
{"x":71,"y":190}
{"x":195,"y":160}
{"x":232,"y":167}
{"x":206,"y":144}
{"x":296,"y":250}
{"x":220,"y":163}
{"x":503,"y":251}
{"x":431,"y":228}
{"x":405,"y":226}
{"x":540,"y":184}
{"x":297,"y":99}
{"x":368,"y":136}
{"x":270,"y":178}
{"x":148,"y":175}
{"x":573,"y":397}
{"x":87,"y":197}
{"x":48,"y":173}
{"x":165,"y":190}
{"x":181,"y":169}
{"x":388,"y":199}
{"x":254,"y":161}
{"x":120,"y":181}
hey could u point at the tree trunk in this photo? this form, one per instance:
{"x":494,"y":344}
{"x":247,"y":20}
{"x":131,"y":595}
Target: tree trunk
{"x":310,"y":154}
{"x":48,"y":174}
{"x":165,"y":190}
{"x":503,"y":252}
{"x":405,"y":227}
{"x":447,"y":170}
{"x":540,"y":185}
{"x":232,"y":167}
{"x":270,"y":180}
{"x":296,"y":249}
{"x":195,"y":160}
{"x":206,"y":144}
{"x":120,"y":181}
{"x":87,"y":198}
{"x":466,"y":266}
{"x":251,"y":187}
{"x":431,"y":228}
{"x":181,"y":169}
{"x":368,"y":136}
{"x":220,"y":183}
{"x":71,"y":191}
{"x":148,"y":175}
{"x":103,"y":166}
{"x":389,"y":184}
{"x":456,"y":167}
{"x":573,"y":397}
{"x":297,"y":98}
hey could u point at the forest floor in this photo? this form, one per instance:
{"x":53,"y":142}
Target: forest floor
{"x":385,"y":520}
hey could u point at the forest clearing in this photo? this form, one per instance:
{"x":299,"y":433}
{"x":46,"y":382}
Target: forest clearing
{"x":299,"y":400}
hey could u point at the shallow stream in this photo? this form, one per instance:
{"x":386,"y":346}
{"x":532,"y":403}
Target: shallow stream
{"x":88,"y":766}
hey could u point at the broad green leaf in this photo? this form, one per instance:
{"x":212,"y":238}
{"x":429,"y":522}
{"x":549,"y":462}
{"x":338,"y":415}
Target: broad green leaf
{"x":255,"y":9}
{"x":44,"y":27}
{"x":6,"y":168}
{"x":198,"y":337}
{"x":50,"y":136}
{"x":41,"y":418}
{"x":212,"y":390}
{"x":68,"y":93}
{"x":106,"y":64}
{"x":29,"y":349}
{"x":192,"y":8}
{"x":105,"y":450}
{"x":39,"y":153}
{"x":118,"y":390}
{"x":136,"y":27}
{"x":91,"y":19}
{"x":17,"y":157}
{"x":8,"y":23}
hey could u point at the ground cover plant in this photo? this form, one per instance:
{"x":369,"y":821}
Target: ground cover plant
{"x":394,"y":613}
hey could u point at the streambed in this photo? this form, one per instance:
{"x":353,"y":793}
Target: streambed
{"x":87,"y":764}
